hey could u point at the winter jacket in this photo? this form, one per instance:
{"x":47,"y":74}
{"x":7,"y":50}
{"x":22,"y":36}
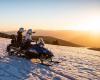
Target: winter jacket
{"x":28,"y":37}
{"x":19,"y":37}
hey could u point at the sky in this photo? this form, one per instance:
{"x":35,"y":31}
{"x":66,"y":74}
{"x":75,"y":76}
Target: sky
{"x":50,"y":14}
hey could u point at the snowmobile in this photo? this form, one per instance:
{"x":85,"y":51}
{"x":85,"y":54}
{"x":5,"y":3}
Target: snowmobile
{"x":34,"y":51}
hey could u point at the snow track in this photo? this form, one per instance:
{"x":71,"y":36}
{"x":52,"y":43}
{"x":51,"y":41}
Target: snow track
{"x":76,"y":64}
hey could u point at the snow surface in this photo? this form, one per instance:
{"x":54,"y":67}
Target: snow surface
{"x":76,"y":64}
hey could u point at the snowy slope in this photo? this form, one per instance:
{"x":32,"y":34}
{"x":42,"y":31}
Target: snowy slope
{"x":76,"y":64}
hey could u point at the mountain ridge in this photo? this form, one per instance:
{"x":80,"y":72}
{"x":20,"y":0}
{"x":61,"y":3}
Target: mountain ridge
{"x":48,"y":40}
{"x":84,"y":38}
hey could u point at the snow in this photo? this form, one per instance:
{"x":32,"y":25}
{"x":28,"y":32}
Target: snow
{"x":77,"y":63}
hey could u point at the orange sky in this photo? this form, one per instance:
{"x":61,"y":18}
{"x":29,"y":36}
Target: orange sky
{"x":50,"y":15}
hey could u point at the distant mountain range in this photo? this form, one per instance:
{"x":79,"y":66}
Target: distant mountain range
{"x":76,"y":37}
{"x":5,"y":35}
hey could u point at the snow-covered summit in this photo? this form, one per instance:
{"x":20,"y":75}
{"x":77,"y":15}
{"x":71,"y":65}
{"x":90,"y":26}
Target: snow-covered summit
{"x":76,"y":64}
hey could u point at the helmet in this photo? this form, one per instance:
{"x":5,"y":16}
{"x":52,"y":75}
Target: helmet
{"x":21,"y":29}
{"x":29,"y":31}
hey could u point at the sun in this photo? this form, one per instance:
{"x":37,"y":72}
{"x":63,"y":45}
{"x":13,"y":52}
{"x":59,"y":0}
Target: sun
{"x":93,"y":29}
{"x":91,"y":25}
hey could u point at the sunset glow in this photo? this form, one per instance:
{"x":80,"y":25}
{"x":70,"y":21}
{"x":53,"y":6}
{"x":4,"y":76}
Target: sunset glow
{"x":50,"y":15}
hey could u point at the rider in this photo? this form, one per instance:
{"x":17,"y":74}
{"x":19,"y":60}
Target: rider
{"x":20,"y":36}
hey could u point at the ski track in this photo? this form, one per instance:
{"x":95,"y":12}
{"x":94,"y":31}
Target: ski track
{"x":76,"y":63}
